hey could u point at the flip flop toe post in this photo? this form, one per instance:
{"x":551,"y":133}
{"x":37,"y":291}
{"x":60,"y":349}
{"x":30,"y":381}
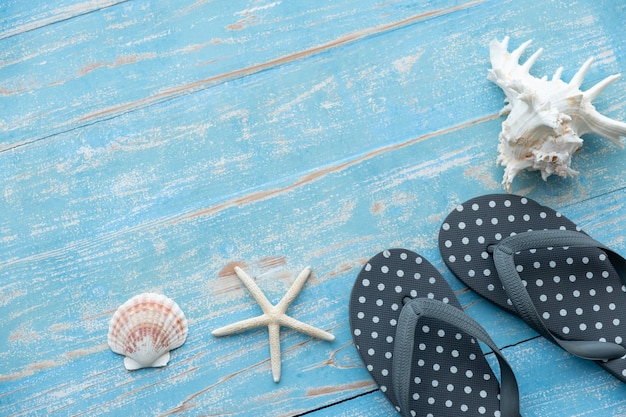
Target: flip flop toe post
{"x":534,"y":262}
{"x":420,"y":347}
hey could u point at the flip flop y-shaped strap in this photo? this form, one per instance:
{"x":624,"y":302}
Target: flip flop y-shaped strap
{"x":503,"y":257}
{"x":411,"y":312}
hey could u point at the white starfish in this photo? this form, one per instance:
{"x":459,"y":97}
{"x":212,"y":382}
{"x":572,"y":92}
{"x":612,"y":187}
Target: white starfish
{"x":273,"y":317}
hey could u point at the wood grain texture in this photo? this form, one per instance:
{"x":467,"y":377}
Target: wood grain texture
{"x":154,"y":146}
{"x":19,"y":17}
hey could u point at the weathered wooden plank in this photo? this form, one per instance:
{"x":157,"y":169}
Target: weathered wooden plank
{"x":558,"y":384}
{"x":140,"y":53}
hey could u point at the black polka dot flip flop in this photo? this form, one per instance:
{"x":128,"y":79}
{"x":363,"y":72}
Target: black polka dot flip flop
{"x":419,"y":345}
{"x":535,"y":263}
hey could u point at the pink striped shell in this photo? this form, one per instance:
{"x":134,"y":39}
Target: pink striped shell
{"x":145,"y":328}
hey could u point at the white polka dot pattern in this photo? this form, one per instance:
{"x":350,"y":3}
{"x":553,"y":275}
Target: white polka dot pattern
{"x":576,"y":291}
{"x":449,"y":375}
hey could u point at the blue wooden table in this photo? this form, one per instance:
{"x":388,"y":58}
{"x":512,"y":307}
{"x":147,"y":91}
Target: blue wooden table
{"x":154,"y":146}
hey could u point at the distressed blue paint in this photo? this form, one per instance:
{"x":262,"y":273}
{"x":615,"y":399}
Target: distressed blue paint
{"x":18,"y":17}
{"x":322,"y":158}
{"x":138,"y":53}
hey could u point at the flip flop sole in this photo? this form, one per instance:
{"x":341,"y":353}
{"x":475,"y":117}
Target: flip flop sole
{"x":449,"y":375}
{"x":576,"y":291}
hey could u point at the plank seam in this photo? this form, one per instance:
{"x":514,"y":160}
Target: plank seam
{"x":337,"y":403}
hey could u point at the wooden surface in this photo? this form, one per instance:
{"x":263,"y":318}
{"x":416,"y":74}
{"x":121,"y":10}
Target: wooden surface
{"x":153,"y":146}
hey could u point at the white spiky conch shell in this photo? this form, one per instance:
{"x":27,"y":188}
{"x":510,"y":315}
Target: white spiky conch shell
{"x":545,"y":118}
{"x":145,"y":329}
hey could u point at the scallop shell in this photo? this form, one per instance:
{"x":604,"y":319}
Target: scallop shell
{"x":145,"y":328}
{"x":545,"y":117}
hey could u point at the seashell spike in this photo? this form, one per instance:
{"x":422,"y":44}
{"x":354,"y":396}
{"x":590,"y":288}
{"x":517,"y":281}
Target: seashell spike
{"x":545,"y":118}
{"x":145,"y":329}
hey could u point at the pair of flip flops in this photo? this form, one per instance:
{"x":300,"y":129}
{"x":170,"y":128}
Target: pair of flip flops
{"x":422,"y":349}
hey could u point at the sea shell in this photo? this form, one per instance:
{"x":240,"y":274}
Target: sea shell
{"x":546,"y":118}
{"x":145,"y":328}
